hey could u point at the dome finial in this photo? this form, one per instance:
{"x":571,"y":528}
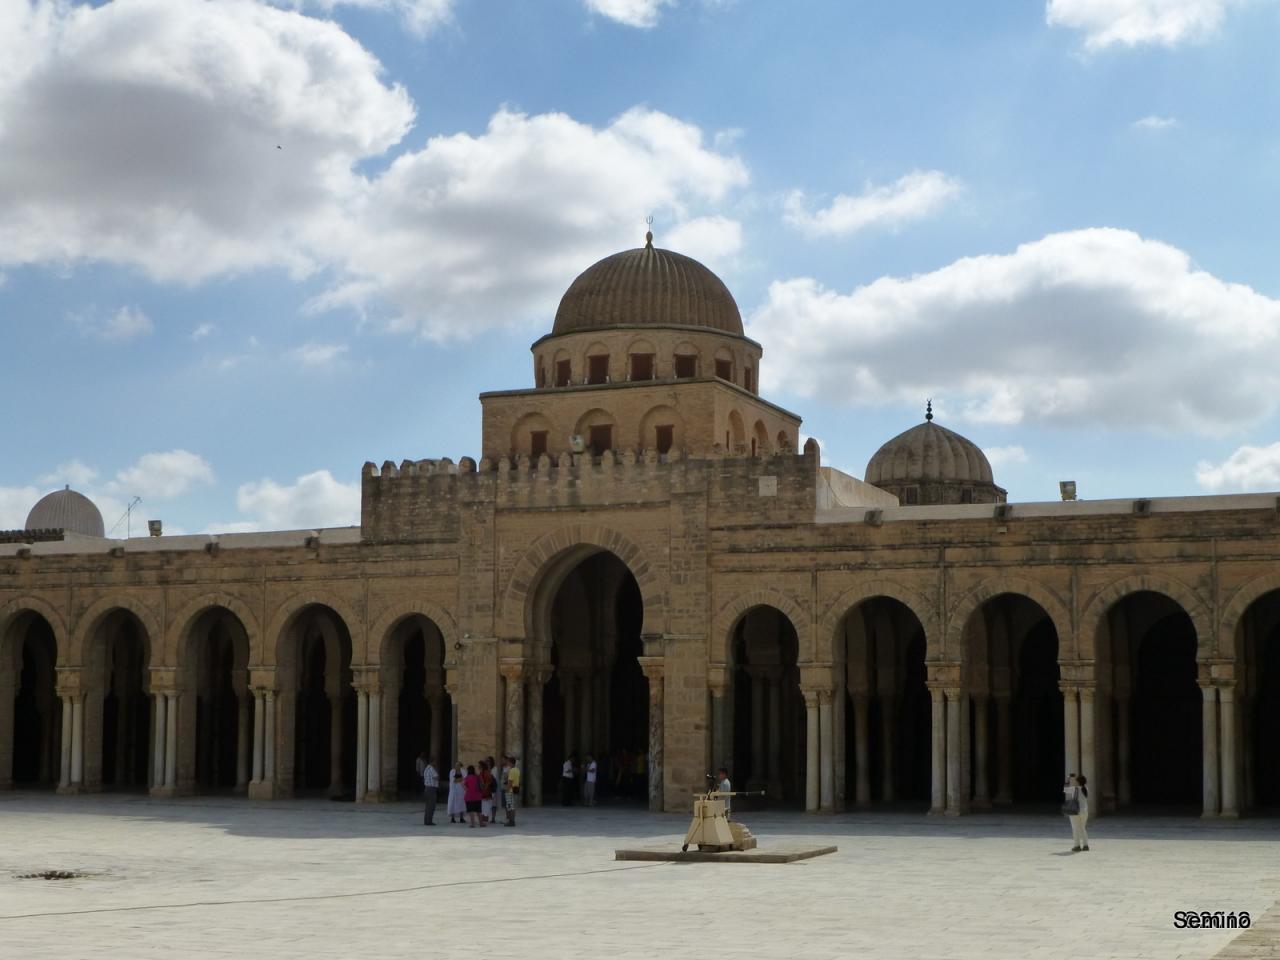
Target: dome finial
{"x":648,"y":235}
{"x":928,"y":410}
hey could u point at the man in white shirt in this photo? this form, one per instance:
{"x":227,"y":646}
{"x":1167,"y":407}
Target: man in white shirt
{"x":589,"y":782}
{"x":430,"y":786}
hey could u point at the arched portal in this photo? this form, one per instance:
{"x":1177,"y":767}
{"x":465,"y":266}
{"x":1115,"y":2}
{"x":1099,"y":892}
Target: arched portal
{"x":417,"y":712}
{"x":596,"y":700}
{"x":768,"y":709}
{"x":1017,"y":707}
{"x":216,"y":705}
{"x":28,"y":671}
{"x":317,"y":742}
{"x":1149,"y":704}
{"x":882,"y":706}
{"x":1257,"y":704}
{"x":117,"y":704}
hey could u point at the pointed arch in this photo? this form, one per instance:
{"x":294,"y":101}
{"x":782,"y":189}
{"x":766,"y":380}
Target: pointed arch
{"x":830,"y":621}
{"x":15,"y":607}
{"x":730,"y":612}
{"x":1241,"y":600}
{"x":193,"y":609}
{"x":291,"y":607}
{"x":1049,"y":601}
{"x":93,"y":615}
{"x":391,"y":617}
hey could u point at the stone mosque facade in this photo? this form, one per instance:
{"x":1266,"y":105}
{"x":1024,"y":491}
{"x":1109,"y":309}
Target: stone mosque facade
{"x":645,"y":564}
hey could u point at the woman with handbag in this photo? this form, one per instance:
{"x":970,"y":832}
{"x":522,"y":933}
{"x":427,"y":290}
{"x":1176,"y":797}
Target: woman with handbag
{"x":1075,"y":805}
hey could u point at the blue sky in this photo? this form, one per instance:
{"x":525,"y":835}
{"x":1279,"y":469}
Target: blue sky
{"x":247,"y":246}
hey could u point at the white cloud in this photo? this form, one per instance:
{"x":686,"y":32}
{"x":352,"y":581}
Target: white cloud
{"x":1131,"y":23}
{"x":126,"y":323}
{"x":911,"y":197}
{"x":15,"y":504}
{"x":458,"y":236}
{"x":712,"y":240}
{"x":314,"y":500}
{"x":1096,"y":327}
{"x":202,"y":331}
{"x":419,"y":17}
{"x":632,"y":13}
{"x":144,"y":133}
{"x":1248,"y":468}
{"x":318,"y":354}
{"x":74,"y":473}
{"x":162,"y":475}
{"x":999,"y":456}
{"x":477,"y":232}
{"x":1154,"y":122}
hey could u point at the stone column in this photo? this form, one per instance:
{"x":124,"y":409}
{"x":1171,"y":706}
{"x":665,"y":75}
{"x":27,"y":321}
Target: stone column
{"x":861,"y":751}
{"x":1088,"y":754}
{"x":887,"y":723}
{"x":838,"y":708}
{"x":569,"y":695}
{"x":64,"y":776}
{"x":259,"y":703}
{"x":335,"y":744}
{"x":654,"y":671}
{"x":533,"y":742}
{"x":827,"y":758}
{"x":586,"y":725}
{"x":171,"y":742}
{"x":773,"y":732}
{"x":811,"y":784}
{"x":375,"y":744}
{"x":1230,"y":768}
{"x":981,"y":736}
{"x":514,"y":675}
{"x":436,"y":702}
{"x":1071,"y":729}
{"x":938,"y":782}
{"x":759,"y":709}
{"x":243,"y":735}
{"x":77,"y":740}
{"x":1209,"y":714}
{"x":158,"y":740}
{"x":1123,"y":783}
{"x":362,"y":744}
{"x":955,"y":800}
{"x":269,"y":744}
{"x":719,"y":726}
{"x":1004,"y":748}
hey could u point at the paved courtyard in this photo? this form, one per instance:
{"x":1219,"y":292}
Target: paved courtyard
{"x":228,"y":878}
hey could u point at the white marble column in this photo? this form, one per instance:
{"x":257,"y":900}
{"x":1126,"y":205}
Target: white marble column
{"x":1230,"y":752}
{"x":655,"y":672}
{"x":269,"y":741}
{"x":938,"y":781}
{"x":77,"y":739}
{"x":244,"y":735}
{"x":861,"y":751}
{"x":362,"y":745}
{"x":811,"y":777}
{"x":955,"y":776}
{"x":981,"y":736}
{"x":1209,"y":763}
{"x":375,"y":745}
{"x":1071,"y":730}
{"x":171,"y":741}
{"x":1088,"y":755}
{"x":514,"y":674}
{"x":827,"y":758}
{"x":64,"y":775}
{"x":259,"y":704}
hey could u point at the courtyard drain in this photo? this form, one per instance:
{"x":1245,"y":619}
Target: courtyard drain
{"x":52,"y":875}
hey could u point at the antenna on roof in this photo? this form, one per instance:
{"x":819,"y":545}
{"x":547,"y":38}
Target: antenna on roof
{"x":648,"y":236}
{"x":126,"y":518}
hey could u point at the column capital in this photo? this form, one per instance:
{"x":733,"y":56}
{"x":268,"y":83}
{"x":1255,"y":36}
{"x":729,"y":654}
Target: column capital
{"x":810,"y":696}
{"x":718,"y":676}
{"x":512,"y":669}
{"x":653,"y":668}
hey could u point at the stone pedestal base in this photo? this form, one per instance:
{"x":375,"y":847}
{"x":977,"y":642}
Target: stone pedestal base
{"x":263,"y":790}
{"x":70,"y":788}
{"x":163,"y":792}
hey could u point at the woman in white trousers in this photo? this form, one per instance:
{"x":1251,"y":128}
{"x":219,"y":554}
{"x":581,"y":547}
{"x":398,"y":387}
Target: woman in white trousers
{"x":1076,"y":793}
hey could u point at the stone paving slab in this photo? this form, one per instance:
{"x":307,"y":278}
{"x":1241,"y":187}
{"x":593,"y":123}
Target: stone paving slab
{"x":215,"y":877}
{"x":758,"y":855}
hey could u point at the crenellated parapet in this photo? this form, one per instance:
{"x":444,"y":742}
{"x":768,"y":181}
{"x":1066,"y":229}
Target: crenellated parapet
{"x":419,"y":500}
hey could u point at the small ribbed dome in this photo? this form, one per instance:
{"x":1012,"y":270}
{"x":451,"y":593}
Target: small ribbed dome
{"x":66,"y":510}
{"x":928,"y":452}
{"x":647,"y":287}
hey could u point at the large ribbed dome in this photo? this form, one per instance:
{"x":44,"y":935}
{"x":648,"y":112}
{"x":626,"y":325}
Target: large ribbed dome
{"x":647,"y":287}
{"x":931,"y":464}
{"x":66,"y":510}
